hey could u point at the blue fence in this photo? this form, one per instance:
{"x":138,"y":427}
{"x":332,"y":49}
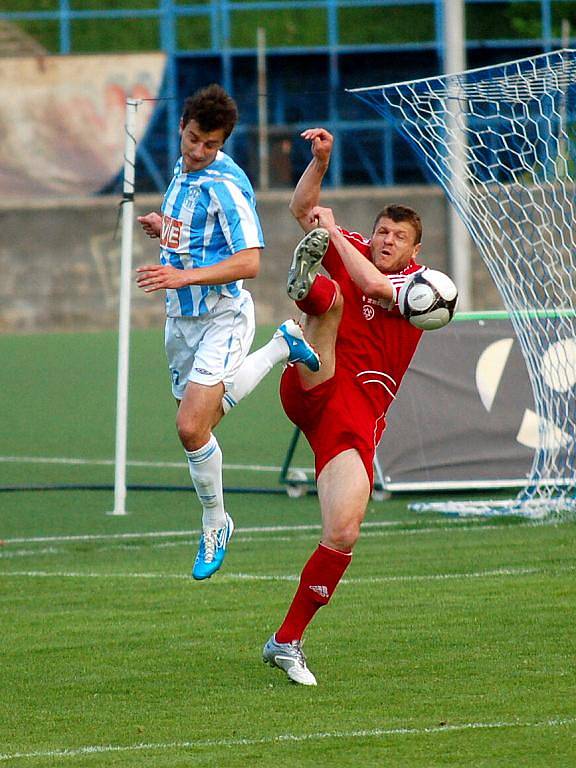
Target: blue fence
{"x":309,"y":67}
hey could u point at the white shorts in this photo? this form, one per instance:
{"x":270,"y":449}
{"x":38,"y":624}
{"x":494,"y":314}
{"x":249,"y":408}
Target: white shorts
{"x":210,"y":349}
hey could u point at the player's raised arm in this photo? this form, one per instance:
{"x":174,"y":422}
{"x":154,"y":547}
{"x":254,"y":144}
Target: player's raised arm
{"x":367,"y":277}
{"x":306,"y":195}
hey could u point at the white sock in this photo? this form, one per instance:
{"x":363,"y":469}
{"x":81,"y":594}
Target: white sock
{"x":205,"y":465}
{"x":253,"y":370}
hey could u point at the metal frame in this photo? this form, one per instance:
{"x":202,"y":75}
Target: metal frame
{"x":221,"y":16}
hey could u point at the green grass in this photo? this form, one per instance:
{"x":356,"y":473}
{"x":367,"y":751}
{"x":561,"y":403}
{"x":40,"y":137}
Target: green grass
{"x":67,"y":382}
{"x":450,"y":643}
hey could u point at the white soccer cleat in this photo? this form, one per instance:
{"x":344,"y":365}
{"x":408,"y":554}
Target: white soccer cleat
{"x":289,"y":657}
{"x":306,"y":263}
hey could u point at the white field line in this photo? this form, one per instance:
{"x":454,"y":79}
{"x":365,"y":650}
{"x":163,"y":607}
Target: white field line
{"x":286,"y":738}
{"x":145,"y":464}
{"x":6,"y":555}
{"x":192,"y":539}
{"x":495,"y":573}
{"x":431,"y":527}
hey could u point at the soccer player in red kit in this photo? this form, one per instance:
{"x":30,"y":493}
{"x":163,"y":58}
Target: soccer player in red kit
{"x":365,"y":345}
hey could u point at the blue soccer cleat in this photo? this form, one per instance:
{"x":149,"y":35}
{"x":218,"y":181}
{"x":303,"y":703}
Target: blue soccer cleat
{"x":299,"y":351}
{"x":213,"y":543}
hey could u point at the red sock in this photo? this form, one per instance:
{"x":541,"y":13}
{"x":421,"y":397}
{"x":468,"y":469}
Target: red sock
{"x":320,"y":298}
{"x":319,"y":579}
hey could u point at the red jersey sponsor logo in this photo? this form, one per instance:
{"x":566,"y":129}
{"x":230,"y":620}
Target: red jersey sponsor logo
{"x":170,"y":235}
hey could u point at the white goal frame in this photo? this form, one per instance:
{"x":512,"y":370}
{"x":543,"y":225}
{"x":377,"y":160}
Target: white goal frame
{"x":124,"y":308}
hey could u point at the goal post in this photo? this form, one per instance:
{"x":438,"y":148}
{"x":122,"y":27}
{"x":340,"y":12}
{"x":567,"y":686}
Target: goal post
{"x":124,"y":308}
{"x":501,"y":140}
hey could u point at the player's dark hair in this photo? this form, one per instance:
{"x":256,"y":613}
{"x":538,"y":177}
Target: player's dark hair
{"x":212,"y":108}
{"x":399,"y":213}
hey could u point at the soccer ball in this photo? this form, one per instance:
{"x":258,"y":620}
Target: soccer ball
{"x":428,"y":299}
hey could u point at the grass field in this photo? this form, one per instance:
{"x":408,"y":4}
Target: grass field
{"x":450,"y":643}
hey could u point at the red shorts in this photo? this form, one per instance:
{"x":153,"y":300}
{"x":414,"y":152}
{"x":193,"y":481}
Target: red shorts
{"x":335,"y":416}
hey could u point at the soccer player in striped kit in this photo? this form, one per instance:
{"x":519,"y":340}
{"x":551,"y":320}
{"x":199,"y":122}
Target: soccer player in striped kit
{"x":353,"y":321}
{"x":210,"y":241}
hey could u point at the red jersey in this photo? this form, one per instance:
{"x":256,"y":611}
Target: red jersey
{"x":374,"y":347}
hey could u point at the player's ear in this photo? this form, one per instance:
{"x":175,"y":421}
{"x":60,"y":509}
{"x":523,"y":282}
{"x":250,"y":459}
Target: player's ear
{"x":416,"y":250}
{"x":181,"y":126}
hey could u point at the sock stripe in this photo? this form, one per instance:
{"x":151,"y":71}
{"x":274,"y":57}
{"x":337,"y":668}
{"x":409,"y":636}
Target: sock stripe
{"x":204,"y":453}
{"x":205,"y":467}
{"x":229,"y":400}
{"x":336,"y":552}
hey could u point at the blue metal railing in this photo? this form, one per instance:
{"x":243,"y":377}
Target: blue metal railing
{"x":224,"y":18}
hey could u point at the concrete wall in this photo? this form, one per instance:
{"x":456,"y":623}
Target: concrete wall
{"x":60,"y":259}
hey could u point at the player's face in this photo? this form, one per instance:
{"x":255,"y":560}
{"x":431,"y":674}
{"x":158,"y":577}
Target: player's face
{"x":199,"y":148}
{"x":393,"y":245}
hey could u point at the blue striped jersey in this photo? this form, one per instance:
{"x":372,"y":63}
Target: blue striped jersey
{"x":207,"y":216}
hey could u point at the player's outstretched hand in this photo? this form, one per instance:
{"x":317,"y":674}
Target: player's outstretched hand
{"x":151,"y":224}
{"x":322,"y":142}
{"x":156,"y":277}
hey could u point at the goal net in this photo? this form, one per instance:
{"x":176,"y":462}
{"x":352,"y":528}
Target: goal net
{"x":502,"y":142}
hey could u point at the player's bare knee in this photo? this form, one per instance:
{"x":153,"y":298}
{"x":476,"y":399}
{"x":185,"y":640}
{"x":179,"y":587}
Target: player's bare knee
{"x":192,"y":435}
{"x":342,"y":537}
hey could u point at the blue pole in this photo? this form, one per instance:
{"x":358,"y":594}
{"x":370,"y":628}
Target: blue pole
{"x":168,"y":42}
{"x":439,"y":31}
{"x":546,"y":16}
{"x":64,"y":26}
{"x":226,"y":58}
{"x":214,"y":25}
{"x":333,"y":89}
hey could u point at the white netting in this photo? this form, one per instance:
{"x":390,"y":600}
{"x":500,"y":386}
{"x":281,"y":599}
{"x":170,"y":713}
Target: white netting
{"x":502,"y":142}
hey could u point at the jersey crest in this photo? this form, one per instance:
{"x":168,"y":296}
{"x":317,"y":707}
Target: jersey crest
{"x":191,"y":198}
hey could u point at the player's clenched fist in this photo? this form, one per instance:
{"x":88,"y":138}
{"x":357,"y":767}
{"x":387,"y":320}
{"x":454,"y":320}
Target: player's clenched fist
{"x":322,"y":141}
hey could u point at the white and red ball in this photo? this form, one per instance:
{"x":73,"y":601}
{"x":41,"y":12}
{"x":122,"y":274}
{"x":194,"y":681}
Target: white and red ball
{"x":428,"y":299}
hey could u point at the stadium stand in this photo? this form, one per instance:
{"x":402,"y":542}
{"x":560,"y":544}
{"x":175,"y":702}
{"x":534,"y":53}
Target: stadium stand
{"x":315,"y":50}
